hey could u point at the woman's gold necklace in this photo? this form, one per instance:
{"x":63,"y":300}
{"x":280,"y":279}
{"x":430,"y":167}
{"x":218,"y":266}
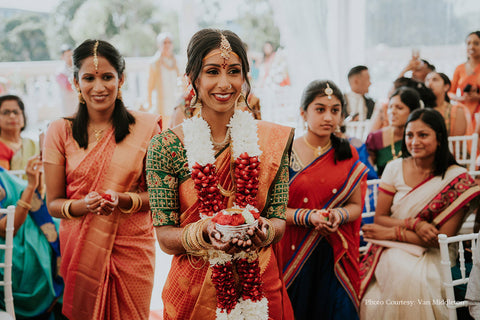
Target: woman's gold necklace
{"x":318,"y":151}
{"x":98,"y":133}
{"x":392,"y":146}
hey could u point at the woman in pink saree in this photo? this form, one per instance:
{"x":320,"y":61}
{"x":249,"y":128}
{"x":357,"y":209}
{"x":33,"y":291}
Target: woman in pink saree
{"x":94,"y":168}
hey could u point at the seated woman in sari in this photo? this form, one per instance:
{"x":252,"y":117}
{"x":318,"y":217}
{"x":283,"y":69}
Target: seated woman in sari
{"x":94,"y":172}
{"x":422,"y":194}
{"x":36,"y":283}
{"x":457,"y":117}
{"x":194,"y":171}
{"x":14,"y":150}
{"x":320,"y":248}
{"x":385,"y":144}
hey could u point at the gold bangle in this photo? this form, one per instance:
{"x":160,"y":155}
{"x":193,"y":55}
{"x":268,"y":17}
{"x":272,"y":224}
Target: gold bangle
{"x":66,"y":209}
{"x":24,"y":204}
{"x":136,"y":203}
{"x":184,"y":238}
{"x":270,"y":234}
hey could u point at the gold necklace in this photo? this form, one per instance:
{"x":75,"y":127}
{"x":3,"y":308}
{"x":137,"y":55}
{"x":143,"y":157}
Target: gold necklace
{"x":98,"y":133}
{"x":318,"y":151}
{"x":392,"y":147}
{"x":219,"y":145}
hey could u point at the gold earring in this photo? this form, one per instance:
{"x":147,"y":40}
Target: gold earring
{"x":119,"y":94}
{"x":80,"y":97}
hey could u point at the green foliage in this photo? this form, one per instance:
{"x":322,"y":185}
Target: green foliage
{"x":256,"y":18}
{"x":22,"y":38}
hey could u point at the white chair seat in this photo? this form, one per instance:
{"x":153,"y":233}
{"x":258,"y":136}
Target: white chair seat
{"x":5,"y":316}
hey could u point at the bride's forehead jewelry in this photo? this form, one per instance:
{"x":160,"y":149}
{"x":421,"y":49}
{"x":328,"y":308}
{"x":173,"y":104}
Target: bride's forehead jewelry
{"x":328,"y":91}
{"x":95,"y":56}
{"x":225,"y":50}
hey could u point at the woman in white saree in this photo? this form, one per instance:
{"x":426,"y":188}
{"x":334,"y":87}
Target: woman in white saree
{"x":422,"y":194}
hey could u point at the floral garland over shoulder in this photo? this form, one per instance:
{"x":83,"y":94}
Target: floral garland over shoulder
{"x":249,"y":302}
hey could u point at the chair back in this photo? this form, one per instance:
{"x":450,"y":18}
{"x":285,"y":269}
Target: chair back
{"x":446,"y":273}
{"x":7,"y":263}
{"x":368,"y":213}
{"x":464,"y":149}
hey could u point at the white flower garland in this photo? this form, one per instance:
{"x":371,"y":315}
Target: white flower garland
{"x":199,"y":147}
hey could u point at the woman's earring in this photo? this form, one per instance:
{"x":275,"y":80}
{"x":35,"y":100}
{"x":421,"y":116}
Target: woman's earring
{"x":119,"y":94}
{"x":80,"y":97}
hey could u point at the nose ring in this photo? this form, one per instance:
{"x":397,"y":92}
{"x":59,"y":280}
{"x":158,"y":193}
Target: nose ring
{"x":230,"y":87}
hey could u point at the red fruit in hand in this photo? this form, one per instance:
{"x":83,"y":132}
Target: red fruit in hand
{"x":237,"y":219}
{"x":107,"y":197}
{"x":222,"y":219}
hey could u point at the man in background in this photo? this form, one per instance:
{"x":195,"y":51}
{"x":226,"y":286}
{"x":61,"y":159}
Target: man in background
{"x":359,"y":106}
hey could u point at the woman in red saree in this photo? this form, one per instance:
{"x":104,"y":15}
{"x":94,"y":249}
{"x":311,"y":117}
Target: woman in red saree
{"x":94,"y":170}
{"x":320,"y":247}
{"x":422,"y":194}
{"x":217,"y":67}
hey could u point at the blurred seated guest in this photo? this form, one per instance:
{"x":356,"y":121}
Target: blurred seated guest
{"x":14,"y":150}
{"x":466,"y":78}
{"x":359,"y":106}
{"x":385,"y":144}
{"x":457,"y":117}
{"x":427,"y":98}
{"x":422,"y":194}
{"x":419,"y":67}
{"x":36,"y":283}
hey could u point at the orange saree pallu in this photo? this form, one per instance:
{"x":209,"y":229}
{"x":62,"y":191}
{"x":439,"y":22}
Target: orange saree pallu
{"x":108,"y":261}
{"x":189,"y":292}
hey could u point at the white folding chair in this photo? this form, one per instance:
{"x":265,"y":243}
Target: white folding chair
{"x":358,"y":129}
{"x":445,"y":268}
{"x":370,"y":204}
{"x":7,"y":264}
{"x":458,"y":146}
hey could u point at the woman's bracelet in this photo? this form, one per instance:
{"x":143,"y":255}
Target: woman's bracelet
{"x":192,"y":237}
{"x":66,"y":210}
{"x":400,"y":234}
{"x":270,"y":234}
{"x":301,"y":217}
{"x":136,"y":203}
{"x":24,"y":204}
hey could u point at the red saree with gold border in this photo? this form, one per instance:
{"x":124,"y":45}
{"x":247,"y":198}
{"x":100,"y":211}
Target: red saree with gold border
{"x":324,"y":184}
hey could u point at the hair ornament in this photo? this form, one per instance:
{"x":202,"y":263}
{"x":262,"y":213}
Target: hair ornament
{"x":225,"y":47}
{"x":95,"y":55}
{"x":328,"y":91}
